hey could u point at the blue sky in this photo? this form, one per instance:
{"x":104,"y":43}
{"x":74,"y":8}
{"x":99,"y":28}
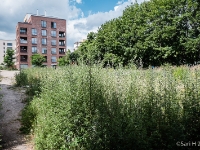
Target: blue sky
{"x":82,"y":16}
{"x":95,"y":6}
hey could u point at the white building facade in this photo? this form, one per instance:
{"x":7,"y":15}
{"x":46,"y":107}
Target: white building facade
{"x":78,"y":43}
{"x":4,"y":45}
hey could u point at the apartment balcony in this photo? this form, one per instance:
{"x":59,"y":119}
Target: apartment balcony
{"x":61,"y":51}
{"x":23,"y":58}
{"x":23,"y":40}
{"x":23,"y":31}
{"x":61,"y":34}
{"x":23,"y":49}
{"x":61,"y":43}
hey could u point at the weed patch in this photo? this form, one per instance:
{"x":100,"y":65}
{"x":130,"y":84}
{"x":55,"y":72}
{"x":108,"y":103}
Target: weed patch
{"x":82,"y":107}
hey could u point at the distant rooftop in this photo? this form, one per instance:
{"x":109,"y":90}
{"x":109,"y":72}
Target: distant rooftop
{"x":6,"y":40}
{"x":26,"y":18}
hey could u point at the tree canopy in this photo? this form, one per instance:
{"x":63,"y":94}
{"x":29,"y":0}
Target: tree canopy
{"x":69,"y":58}
{"x":151,"y":33}
{"x":37,"y":60}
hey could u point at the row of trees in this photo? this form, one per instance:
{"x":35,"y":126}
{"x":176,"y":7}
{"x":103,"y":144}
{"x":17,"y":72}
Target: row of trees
{"x":151,"y":33}
{"x":36,"y":59}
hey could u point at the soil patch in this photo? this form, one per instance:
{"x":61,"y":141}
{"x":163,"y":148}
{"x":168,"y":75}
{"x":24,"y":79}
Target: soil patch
{"x":12,"y":104}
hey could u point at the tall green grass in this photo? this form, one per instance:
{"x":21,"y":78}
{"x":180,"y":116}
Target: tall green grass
{"x":82,"y":107}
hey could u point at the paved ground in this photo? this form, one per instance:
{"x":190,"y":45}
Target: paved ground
{"x":12,"y":104}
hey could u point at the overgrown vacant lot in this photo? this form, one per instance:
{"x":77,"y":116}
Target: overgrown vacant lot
{"x":82,"y":107}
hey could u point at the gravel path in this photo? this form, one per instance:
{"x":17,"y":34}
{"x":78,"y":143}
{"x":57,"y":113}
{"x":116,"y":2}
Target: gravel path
{"x":12,"y":104}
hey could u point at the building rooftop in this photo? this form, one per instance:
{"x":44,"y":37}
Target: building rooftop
{"x":28,"y":15}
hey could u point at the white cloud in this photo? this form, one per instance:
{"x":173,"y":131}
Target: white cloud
{"x":115,"y":8}
{"x":120,"y":2}
{"x":78,"y":29}
{"x":79,"y":1}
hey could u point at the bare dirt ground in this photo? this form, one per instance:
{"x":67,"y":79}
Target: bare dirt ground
{"x":12,"y":104}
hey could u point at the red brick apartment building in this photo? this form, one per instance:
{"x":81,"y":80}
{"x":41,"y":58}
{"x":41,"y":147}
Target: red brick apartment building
{"x":40,"y":34}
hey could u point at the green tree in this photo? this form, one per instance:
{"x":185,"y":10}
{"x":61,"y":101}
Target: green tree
{"x":8,"y":59}
{"x":87,"y":51}
{"x":37,"y":60}
{"x":65,"y":60}
{"x":69,"y":58}
{"x":74,"y":57}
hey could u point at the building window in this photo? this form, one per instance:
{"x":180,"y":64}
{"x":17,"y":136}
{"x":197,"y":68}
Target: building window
{"x":3,"y":43}
{"x":53,"y":42}
{"x":34,"y":50}
{"x":44,"y":41}
{"x":53,"y":59}
{"x":44,"y":32}
{"x":53,"y":33}
{"x":53,"y":24}
{"x":23,"y":30}
{"x":34,"y":40}
{"x":53,"y":50}
{"x":44,"y":50}
{"x":43,"y":24}
{"x":34,"y":31}
{"x":9,"y":44}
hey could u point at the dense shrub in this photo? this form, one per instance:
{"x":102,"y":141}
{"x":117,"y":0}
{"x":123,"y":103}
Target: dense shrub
{"x":32,"y":83}
{"x":82,"y":107}
{"x":1,"y":67}
{"x":21,"y":79}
